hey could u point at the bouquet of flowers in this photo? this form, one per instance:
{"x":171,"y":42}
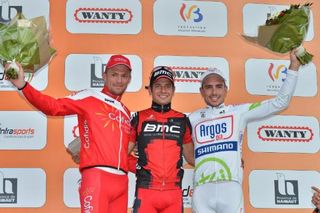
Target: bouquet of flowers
{"x":25,"y":41}
{"x":286,"y":31}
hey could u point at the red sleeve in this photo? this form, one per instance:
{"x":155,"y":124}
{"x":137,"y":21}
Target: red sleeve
{"x":49,"y":105}
{"x":187,"y":138}
{"x":134,"y":127}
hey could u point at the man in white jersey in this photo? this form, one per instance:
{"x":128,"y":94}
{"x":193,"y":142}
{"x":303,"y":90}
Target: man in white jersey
{"x":217,"y":132}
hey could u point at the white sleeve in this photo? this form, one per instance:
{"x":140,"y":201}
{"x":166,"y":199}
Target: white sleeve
{"x":276,"y":104}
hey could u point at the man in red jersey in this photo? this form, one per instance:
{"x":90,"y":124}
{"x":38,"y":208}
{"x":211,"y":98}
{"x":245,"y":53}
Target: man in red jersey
{"x":162,"y":136}
{"x":104,"y":124}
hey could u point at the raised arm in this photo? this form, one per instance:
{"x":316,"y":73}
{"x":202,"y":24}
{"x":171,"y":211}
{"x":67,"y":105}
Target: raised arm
{"x":282,"y":100}
{"x":45,"y":103}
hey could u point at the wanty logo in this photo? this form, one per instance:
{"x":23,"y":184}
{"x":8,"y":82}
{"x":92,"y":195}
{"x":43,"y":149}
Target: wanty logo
{"x":285,"y":133}
{"x":274,"y":73}
{"x":286,"y":191}
{"x":17,"y":132}
{"x":8,"y":189}
{"x":193,"y":13}
{"x":7,"y":11}
{"x":103,"y":15}
{"x":188,"y":74}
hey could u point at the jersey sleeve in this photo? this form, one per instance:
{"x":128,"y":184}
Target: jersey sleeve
{"x":134,"y":127}
{"x":49,"y":105}
{"x":187,"y":138}
{"x":272,"y":106}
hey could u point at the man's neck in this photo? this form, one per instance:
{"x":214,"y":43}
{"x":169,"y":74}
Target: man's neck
{"x":161,"y":108}
{"x":106,"y":91}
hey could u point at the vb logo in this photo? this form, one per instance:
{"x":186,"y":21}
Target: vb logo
{"x":193,"y":13}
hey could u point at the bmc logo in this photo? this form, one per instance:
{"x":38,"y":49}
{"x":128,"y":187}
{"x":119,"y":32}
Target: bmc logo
{"x":161,"y":128}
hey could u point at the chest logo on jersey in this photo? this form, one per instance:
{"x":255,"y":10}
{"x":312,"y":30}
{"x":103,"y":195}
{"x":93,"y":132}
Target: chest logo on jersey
{"x":214,"y":130}
{"x":162,"y":128}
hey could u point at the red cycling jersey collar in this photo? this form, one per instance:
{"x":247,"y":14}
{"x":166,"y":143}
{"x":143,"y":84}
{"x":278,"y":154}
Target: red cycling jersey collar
{"x":106,"y":91}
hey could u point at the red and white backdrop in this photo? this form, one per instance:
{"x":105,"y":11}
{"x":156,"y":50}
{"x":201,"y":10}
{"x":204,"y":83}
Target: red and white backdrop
{"x":281,"y":153}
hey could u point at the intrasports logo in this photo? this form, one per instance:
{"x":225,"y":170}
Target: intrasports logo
{"x":103,"y":15}
{"x":7,"y":11}
{"x":286,"y":191}
{"x":285,"y":133}
{"x":17,"y":132}
{"x":213,"y":169}
{"x":188,"y":74}
{"x":8,"y":189}
{"x":276,"y":72}
{"x":214,"y":130}
{"x":193,"y":13}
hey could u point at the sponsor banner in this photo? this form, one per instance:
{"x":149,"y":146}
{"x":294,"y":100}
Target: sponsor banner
{"x":187,"y":188}
{"x":22,"y":130}
{"x":104,"y":17}
{"x":21,"y":187}
{"x":255,"y":15}
{"x":92,"y":67}
{"x":71,"y":183}
{"x":214,"y":129}
{"x":38,"y":80}
{"x":282,"y":188}
{"x":293,"y":134}
{"x":10,"y":8}
{"x":190,"y":18}
{"x":265,"y":77}
{"x":188,"y":70}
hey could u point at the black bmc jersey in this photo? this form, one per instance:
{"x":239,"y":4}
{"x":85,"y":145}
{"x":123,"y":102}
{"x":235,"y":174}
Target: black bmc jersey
{"x":160,"y":137}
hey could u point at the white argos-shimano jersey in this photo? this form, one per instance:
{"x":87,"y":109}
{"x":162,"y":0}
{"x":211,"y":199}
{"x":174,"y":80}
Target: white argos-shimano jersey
{"x":218,"y":134}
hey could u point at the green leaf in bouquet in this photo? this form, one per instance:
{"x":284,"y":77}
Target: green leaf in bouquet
{"x":291,"y":32}
{"x":26,"y":41}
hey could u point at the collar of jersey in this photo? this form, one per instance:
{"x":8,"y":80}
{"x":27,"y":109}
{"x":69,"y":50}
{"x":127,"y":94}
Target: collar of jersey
{"x":161,"y":108}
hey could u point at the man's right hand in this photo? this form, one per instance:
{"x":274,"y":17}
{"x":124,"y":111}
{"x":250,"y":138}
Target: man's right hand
{"x":18,"y":82}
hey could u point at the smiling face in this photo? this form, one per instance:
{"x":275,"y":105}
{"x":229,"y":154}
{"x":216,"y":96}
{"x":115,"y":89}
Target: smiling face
{"x":117,"y":78}
{"x":162,"y":91}
{"x":213,"y":90}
